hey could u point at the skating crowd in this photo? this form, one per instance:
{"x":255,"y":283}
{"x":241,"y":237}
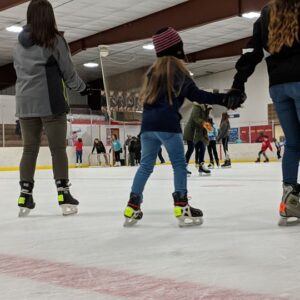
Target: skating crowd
{"x":43,"y":53}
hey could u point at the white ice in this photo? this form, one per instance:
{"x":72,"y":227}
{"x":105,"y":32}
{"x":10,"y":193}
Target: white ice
{"x":239,"y":247}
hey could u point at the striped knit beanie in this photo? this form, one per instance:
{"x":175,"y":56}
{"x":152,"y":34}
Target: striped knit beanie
{"x":167,"y":42}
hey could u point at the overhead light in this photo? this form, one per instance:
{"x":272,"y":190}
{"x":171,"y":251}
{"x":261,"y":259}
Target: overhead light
{"x":251,"y":15}
{"x":148,"y":47}
{"x":191,"y":73}
{"x":91,"y":65}
{"x":14,"y":28}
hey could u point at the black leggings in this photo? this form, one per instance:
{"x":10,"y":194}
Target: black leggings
{"x":225,"y":146}
{"x":212,"y":151}
{"x":199,"y":154}
{"x":117,"y":155}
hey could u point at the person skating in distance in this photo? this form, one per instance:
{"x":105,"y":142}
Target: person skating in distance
{"x":167,"y":84}
{"x":276,"y":37}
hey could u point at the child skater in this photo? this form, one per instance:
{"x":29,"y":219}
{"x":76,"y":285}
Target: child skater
{"x":265,"y":145}
{"x":166,"y":85}
{"x":79,"y":149}
{"x":278,"y":148}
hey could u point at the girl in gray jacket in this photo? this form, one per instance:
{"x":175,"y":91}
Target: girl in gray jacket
{"x":44,"y":70}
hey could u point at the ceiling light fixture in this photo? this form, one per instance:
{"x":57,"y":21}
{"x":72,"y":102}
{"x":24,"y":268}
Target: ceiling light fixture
{"x":148,"y":47}
{"x":251,"y":15}
{"x":14,"y":28}
{"x":91,"y":65}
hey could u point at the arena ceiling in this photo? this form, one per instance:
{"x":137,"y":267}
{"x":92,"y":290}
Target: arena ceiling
{"x":213,"y":32}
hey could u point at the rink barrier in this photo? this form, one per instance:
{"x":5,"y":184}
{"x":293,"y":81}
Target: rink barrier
{"x":10,"y":169}
{"x":10,"y":157}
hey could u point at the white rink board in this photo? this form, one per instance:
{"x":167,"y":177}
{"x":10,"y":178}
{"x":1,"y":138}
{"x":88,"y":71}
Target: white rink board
{"x":238,"y":253}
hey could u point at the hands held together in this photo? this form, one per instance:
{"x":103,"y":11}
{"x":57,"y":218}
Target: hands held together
{"x":234,"y":99}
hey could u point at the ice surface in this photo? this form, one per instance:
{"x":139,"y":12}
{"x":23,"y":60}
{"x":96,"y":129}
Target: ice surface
{"x":238,"y":253}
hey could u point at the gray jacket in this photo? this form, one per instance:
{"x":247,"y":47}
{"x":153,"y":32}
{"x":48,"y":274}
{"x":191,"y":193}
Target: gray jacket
{"x":224,"y":130}
{"x":42,"y":77}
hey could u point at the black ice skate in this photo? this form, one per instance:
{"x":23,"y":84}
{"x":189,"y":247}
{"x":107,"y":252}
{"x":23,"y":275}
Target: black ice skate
{"x":211,"y":165}
{"x":25,"y":201}
{"x":227,"y":164}
{"x":65,"y":200}
{"x":290,"y":207}
{"x":203,"y":171}
{"x":185,"y":214}
{"x":266,"y":160}
{"x":133,"y":211}
{"x":257,"y":160}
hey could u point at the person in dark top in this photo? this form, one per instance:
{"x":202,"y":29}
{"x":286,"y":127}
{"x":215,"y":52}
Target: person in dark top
{"x":276,"y":36}
{"x":166,"y":85}
{"x":100,"y":149}
{"x":131,"y":151}
{"x":160,"y":156}
{"x":223,"y":136}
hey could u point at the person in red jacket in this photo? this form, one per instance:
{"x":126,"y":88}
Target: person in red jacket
{"x":78,"y":148}
{"x":265,"y":145}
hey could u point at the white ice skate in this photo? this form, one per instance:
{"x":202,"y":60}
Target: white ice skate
{"x":69,"y":209}
{"x":24,"y":212}
{"x":290,"y":206}
{"x":188,"y":216}
{"x":132,"y":216}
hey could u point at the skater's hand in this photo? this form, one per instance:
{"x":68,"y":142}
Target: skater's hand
{"x":234,"y":99}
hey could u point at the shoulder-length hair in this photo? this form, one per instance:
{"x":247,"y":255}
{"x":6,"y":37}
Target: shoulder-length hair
{"x":40,"y":17}
{"x":160,"y":78}
{"x":283,"y":24}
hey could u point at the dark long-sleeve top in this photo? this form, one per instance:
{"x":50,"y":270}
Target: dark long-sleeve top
{"x":283,"y":67}
{"x":164,"y":117}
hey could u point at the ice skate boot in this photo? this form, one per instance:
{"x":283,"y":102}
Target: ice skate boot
{"x":188,"y":172}
{"x":266,"y":160}
{"x":133,"y":211}
{"x":185,"y":214}
{"x":211,"y":165}
{"x":290,"y":207}
{"x":227,"y":164}
{"x":203,"y":171}
{"x":258,"y":160}
{"x":25,"y":201}
{"x":65,"y":200}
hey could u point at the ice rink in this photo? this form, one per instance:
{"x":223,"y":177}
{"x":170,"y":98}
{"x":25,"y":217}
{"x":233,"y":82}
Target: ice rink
{"x":238,"y":253}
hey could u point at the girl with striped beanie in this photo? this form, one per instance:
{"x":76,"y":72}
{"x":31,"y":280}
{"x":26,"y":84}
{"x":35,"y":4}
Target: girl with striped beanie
{"x":166,"y":85}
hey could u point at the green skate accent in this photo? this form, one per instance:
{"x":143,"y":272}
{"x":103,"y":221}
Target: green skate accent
{"x":177,"y":211}
{"x":61,"y":198}
{"x":21,"y":201}
{"x":129,"y":212}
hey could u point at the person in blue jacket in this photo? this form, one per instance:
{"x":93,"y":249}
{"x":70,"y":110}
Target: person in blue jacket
{"x":117,"y":148}
{"x":212,"y":146}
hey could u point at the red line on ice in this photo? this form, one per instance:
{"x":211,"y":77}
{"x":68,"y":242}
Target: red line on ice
{"x":114,"y":283}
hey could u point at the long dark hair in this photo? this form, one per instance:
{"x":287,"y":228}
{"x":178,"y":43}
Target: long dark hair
{"x":40,"y":17}
{"x":284,"y":24}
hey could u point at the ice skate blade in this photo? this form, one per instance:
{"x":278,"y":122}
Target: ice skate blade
{"x":188,"y":222}
{"x":204,"y":174}
{"x":24,"y":212}
{"x":68,"y":209}
{"x":228,"y":167}
{"x":289,"y":221}
{"x":130,"y":222}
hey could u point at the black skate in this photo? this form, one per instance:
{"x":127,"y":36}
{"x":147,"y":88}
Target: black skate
{"x":290,"y":207}
{"x":203,"y":171}
{"x":185,"y":214}
{"x":211,"y":165}
{"x":227,"y":164}
{"x":65,"y":200}
{"x":25,"y":201}
{"x":258,"y":160}
{"x":133,"y":211}
{"x":266,"y":160}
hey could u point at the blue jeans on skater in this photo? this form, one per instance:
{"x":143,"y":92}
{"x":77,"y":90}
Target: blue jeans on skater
{"x":151,"y":142}
{"x":79,"y":157}
{"x":286,"y":98}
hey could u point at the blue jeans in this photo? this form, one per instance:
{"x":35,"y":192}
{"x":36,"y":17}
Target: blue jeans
{"x":151,"y":142}
{"x":286,"y":98}
{"x":79,"y":157}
